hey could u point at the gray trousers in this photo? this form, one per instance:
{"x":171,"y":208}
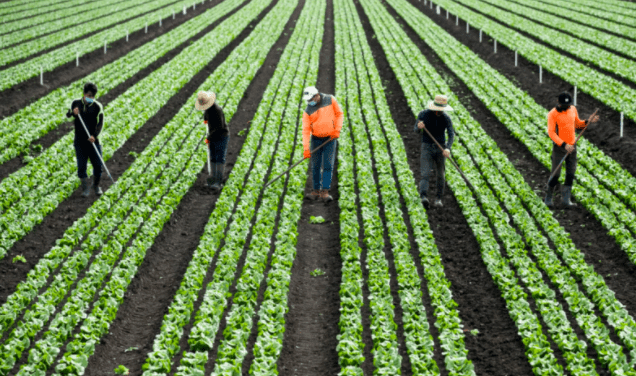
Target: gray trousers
{"x":570,"y":165}
{"x":431,"y":156}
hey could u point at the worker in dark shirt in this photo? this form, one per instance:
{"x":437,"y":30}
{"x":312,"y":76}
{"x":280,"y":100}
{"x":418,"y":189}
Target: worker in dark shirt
{"x":217,"y":138}
{"x":92,"y":113}
{"x":437,"y":122}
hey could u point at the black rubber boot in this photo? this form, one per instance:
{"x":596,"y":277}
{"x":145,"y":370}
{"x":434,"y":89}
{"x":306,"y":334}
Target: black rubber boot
{"x":425,"y":202}
{"x":96,"y":188}
{"x":567,"y":196}
{"x":85,"y":187}
{"x":548,"y":197}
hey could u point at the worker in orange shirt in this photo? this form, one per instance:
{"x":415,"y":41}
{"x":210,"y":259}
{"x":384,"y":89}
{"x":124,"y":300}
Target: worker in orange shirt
{"x":562,"y":122}
{"x":322,"y":121}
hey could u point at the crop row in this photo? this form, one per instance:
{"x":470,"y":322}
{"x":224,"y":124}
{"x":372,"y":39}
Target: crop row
{"x":612,"y":24}
{"x":234,"y":230}
{"x":15,"y":7}
{"x":581,"y":307}
{"x":232,"y":348}
{"x":581,"y":31}
{"x":20,"y":31}
{"x":48,"y":112}
{"x":37,"y":188}
{"x":24,"y":50}
{"x":67,"y":53}
{"x":230,"y":76}
{"x":592,"y":8}
{"x":418,"y":84}
{"x":604,"y":186}
{"x":365,"y":100}
{"x":600,"y":294}
{"x":600,"y":86}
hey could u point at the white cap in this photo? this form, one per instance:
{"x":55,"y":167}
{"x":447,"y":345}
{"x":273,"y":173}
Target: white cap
{"x":309,"y":92}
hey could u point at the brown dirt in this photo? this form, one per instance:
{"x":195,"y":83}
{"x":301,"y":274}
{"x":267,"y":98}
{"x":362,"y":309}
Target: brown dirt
{"x":309,"y":346}
{"x":497,"y":350}
{"x":54,"y":135}
{"x":605,"y":134}
{"x":43,"y":236}
{"x":173,"y":248}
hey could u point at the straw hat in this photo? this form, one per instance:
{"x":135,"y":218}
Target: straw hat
{"x":439,"y":104}
{"x":205,"y":99}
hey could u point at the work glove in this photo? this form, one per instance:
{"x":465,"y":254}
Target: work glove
{"x":336,"y":135}
{"x":307,"y":154}
{"x":207,"y":141}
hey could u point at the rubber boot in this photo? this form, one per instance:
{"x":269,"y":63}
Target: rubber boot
{"x":548,"y":197}
{"x":425,"y":202}
{"x":567,"y":196}
{"x":85,"y":187}
{"x":216,"y":182}
{"x":96,"y":188}
{"x":220,"y":171}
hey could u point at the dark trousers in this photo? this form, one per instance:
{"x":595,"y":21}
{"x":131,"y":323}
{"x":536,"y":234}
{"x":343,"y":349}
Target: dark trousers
{"x":218,"y":149}
{"x":322,"y":159}
{"x":431,"y":156}
{"x":84,"y":152}
{"x":570,"y":165}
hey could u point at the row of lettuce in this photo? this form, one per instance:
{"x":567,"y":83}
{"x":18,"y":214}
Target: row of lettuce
{"x":373,"y":174}
{"x":277,"y":120}
{"x":488,"y":168}
{"x":155,"y":183}
{"x":46,"y":53}
{"x":35,"y":190}
{"x":603,"y":185}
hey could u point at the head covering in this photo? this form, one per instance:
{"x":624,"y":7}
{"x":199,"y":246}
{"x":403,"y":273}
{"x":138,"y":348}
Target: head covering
{"x":439,"y":104}
{"x":309,"y":92}
{"x":205,"y":99}
{"x":565,"y":98}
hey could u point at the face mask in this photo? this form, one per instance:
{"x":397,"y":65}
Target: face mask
{"x":88,"y":100}
{"x":312,"y":103}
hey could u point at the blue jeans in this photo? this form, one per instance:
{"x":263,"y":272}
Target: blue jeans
{"x":84,"y":152}
{"x":432,"y":156}
{"x":218,"y":149}
{"x":323,"y":158}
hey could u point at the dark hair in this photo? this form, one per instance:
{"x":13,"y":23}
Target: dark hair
{"x":90,"y":87}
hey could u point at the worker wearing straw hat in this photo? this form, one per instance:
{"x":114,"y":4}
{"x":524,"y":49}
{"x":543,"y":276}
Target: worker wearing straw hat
{"x":218,"y":135}
{"x":437,"y":122}
{"x":322,"y":121}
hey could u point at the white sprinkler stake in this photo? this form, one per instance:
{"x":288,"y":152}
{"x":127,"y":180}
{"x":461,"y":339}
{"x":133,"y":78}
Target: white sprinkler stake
{"x":126,"y":35}
{"x":575,"y":95}
{"x":184,"y":10}
{"x":540,"y":74}
{"x":467,"y":27}
{"x":146,"y":28}
{"x":480,"y":32}
{"x":516,"y":60}
{"x":194,"y":6}
{"x":621,"y":125}
{"x":495,"y":45}
{"x":431,"y":5}
{"x":160,"y":21}
{"x":104,"y":46}
{"x":77,"y":59}
{"x":41,"y":76}
{"x":173,"y":14}
{"x":438,"y":10}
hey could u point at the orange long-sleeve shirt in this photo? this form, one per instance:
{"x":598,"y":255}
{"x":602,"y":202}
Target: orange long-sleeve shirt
{"x":322,"y":120}
{"x":561,"y":125}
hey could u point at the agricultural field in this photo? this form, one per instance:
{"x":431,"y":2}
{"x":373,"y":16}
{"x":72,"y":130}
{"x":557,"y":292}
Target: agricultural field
{"x":164,"y":275}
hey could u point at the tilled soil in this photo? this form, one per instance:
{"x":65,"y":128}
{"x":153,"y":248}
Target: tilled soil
{"x":309,"y":345}
{"x":14,"y":101}
{"x":605,"y":134}
{"x":43,"y":236}
{"x":497,"y":349}
{"x":136,"y":325}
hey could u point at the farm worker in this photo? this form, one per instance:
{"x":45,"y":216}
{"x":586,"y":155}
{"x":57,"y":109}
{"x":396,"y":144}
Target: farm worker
{"x":92,"y":113}
{"x":562,"y":122}
{"x":437,"y":122}
{"x":322,"y":121}
{"x":218,"y":135}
